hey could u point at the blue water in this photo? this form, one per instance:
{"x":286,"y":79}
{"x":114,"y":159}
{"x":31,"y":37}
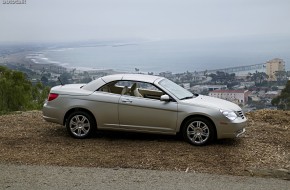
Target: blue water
{"x":175,"y":56}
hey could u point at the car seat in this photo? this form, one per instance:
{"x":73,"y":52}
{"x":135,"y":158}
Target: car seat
{"x":125,"y":91}
{"x":134,"y":91}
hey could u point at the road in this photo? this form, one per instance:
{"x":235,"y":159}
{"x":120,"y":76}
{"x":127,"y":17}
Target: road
{"x":55,"y":177}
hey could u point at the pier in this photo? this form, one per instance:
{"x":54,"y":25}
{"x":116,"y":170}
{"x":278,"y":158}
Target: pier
{"x":246,"y":68}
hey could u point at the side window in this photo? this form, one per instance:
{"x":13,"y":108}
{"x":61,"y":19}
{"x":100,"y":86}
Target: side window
{"x":111,"y":88}
{"x":133,"y":88}
{"x":150,"y":91}
{"x":105,"y":88}
{"x":140,"y":89}
{"x":125,"y":85}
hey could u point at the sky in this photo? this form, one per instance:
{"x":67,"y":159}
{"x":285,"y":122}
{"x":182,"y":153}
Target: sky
{"x":79,"y":20}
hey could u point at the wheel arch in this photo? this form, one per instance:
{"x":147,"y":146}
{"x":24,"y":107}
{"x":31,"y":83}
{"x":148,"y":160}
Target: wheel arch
{"x":78,"y":109}
{"x":182,"y":125}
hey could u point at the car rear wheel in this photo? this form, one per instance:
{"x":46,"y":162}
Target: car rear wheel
{"x":198,"y":131}
{"x":80,"y":124}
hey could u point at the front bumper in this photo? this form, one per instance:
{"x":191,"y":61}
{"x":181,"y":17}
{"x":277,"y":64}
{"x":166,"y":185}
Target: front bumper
{"x":240,"y":132}
{"x":231,"y":129}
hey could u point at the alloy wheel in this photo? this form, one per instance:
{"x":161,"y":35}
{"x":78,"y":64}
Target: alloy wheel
{"x":198,"y":132}
{"x":79,"y":125}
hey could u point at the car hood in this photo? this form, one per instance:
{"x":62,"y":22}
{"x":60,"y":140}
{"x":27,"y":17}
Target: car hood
{"x":207,"y":101}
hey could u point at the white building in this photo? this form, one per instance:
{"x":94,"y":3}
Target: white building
{"x":236,"y":96}
{"x":186,"y":86}
{"x":248,"y":84}
{"x":200,"y":88}
{"x":272,"y":94}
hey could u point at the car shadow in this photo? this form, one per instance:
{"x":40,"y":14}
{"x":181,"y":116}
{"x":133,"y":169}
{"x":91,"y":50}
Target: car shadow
{"x":227,"y":142}
{"x":61,"y":132}
{"x":135,"y":136}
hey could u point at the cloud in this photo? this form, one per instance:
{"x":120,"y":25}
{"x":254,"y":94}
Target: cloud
{"x":73,"y":20}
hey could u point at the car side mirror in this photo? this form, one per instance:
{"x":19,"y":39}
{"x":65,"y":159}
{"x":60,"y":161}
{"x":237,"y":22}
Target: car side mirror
{"x":165,"y":98}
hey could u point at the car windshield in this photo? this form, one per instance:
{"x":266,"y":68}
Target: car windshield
{"x":175,"y":89}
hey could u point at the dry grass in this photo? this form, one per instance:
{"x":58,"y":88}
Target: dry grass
{"x":26,"y":138}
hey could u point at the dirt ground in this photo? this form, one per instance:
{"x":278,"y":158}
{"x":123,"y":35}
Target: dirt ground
{"x":25,"y":138}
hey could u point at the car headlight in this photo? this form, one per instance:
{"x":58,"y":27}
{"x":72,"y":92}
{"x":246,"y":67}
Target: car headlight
{"x":231,"y":115}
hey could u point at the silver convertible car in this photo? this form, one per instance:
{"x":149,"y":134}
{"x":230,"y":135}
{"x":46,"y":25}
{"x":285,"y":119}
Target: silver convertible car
{"x":142,"y":103}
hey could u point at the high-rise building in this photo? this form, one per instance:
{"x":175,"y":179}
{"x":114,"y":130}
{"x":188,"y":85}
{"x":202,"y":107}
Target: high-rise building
{"x":273,"y":66}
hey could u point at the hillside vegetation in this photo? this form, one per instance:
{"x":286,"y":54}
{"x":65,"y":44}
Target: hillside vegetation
{"x":17,"y":93}
{"x":283,"y":100}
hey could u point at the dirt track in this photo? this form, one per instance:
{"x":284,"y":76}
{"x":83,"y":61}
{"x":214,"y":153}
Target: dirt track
{"x":26,"y":138}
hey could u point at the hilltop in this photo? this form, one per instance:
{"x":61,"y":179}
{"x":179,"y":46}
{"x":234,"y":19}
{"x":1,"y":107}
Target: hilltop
{"x":26,"y":138}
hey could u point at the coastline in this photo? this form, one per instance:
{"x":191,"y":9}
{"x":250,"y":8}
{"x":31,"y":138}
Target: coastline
{"x":40,"y":60}
{"x":19,"y":59}
{"x":25,"y":60}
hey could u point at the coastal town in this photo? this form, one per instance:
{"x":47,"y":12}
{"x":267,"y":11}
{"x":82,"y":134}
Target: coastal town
{"x":251,"y":87}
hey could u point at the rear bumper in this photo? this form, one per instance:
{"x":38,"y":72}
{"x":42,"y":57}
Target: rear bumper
{"x":50,"y":119}
{"x":51,"y":114}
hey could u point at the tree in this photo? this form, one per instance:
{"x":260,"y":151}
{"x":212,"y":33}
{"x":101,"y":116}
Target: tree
{"x":213,"y":78}
{"x":222,"y":77}
{"x":65,"y":77}
{"x":17,"y":92}
{"x":259,"y":77}
{"x":281,"y":76}
{"x":14,"y":91}
{"x":283,"y":100}
{"x":39,"y":93}
{"x":249,"y":76}
{"x":44,"y":80}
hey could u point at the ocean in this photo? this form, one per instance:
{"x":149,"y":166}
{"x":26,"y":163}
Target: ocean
{"x":176,"y":56}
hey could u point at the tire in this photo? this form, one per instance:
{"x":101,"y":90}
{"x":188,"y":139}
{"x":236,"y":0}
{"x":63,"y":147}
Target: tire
{"x":80,"y":124}
{"x":198,"y":131}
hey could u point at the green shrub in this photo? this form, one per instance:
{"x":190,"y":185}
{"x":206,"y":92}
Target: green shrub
{"x":17,"y":93}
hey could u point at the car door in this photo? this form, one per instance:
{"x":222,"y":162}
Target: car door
{"x":147,"y":114}
{"x":104,"y":105}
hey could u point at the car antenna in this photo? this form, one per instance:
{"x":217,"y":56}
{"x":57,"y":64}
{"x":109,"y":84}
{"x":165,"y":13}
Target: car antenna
{"x":60,"y":81}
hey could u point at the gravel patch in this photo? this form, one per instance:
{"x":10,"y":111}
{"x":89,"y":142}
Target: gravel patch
{"x":26,"y":138}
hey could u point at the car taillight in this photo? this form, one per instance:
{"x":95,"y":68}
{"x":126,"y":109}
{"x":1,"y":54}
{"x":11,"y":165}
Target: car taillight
{"x":52,"y":96}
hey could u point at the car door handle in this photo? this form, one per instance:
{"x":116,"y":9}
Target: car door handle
{"x":126,"y":100}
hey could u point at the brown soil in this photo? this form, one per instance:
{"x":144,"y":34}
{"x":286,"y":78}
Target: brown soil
{"x":26,"y":138}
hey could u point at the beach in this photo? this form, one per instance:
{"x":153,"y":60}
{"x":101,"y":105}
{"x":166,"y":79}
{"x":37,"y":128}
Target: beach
{"x":23,"y":61}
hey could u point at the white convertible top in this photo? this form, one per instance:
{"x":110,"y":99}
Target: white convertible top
{"x":92,"y":86}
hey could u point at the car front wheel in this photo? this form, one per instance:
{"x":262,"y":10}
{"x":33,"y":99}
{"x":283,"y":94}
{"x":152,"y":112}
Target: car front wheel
{"x":198,"y":131}
{"x":80,"y":124}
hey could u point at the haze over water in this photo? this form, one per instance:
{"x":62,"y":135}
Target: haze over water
{"x":175,"y":55}
{"x":180,"y":35}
